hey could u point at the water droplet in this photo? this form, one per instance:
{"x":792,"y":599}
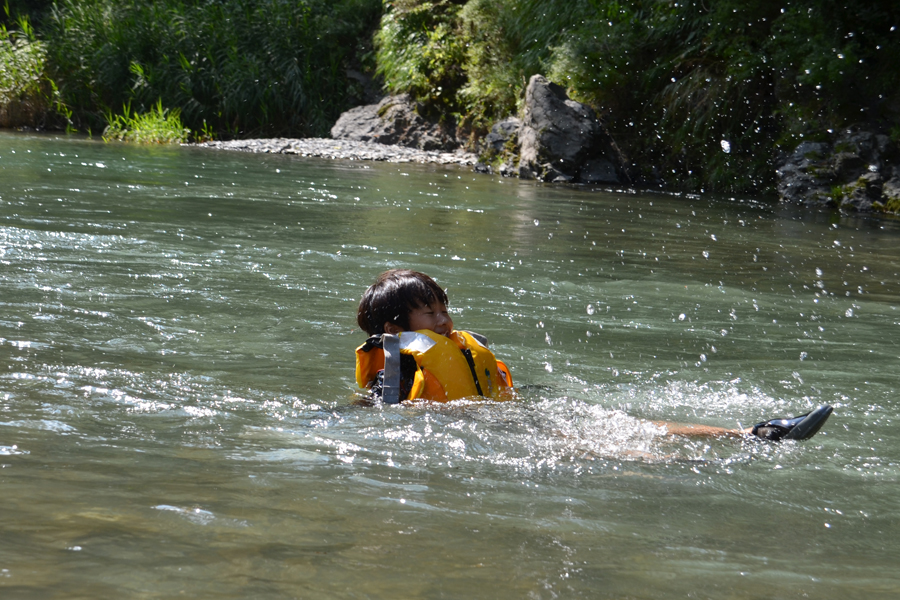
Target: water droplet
{"x":849,"y":312}
{"x":536,"y":222}
{"x":681,"y":317}
{"x":547,"y":339}
{"x":548,"y":367}
{"x":818,"y":272}
{"x":702,"y":358}
{"x":705,"y":254}
{"x":590,"y":309}
{"x":803,"y":355}
{"x":726,"y":146}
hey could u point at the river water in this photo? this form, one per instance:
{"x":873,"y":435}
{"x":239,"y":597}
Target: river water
{"x":177,"y":413}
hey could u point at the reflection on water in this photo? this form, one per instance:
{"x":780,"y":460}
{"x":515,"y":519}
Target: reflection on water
{"x":176,"y":386}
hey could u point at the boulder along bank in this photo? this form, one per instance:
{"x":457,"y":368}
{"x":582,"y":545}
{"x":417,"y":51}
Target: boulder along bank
{"x":560,"y":140}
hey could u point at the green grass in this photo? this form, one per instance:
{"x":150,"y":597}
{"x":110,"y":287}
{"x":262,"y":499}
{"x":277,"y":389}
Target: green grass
{"x":243,"y":67}
{"x":156,"y":126}
{"x":23,"y":82}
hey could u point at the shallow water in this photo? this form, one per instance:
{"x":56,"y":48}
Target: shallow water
{"x":177,"y":329}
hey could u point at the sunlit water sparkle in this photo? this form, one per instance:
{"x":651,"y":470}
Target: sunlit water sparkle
{"x":177,"y":408}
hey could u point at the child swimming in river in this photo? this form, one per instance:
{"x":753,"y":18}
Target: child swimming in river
{"x":413,"y":353}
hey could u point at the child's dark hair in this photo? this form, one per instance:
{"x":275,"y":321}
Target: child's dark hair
{"x":393,"y":295}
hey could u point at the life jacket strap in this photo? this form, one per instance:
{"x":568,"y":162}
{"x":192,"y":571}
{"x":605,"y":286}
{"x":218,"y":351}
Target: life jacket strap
{"x":391,"y":384}
{"x":468,"y":354}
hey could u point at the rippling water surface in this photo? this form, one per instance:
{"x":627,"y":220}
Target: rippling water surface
{"x":176,"y":386}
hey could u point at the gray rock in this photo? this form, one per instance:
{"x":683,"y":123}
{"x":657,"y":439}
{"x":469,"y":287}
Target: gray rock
{"x":848,"y":165}
{"x":809,"y":150}
{"x":525,"y":172}
{"x":394,"y":120}
{"x":862,"y":143}
{"x":598,"y":170}
{"x":559,"y":136}
{"x":873,"y":184}
{"x":891,"y":189}
{"x":507,"y":169}
{"x":502,"y":132}
{"x":864,"y":193}
{"x":797,"y":186}
{"x":858,"y":172}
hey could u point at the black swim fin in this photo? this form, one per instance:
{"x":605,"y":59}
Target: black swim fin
{"x":798,"y":428}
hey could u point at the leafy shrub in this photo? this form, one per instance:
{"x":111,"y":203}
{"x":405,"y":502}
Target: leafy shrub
{"x":684,"y":88}
{"x":23,"y":83}
{"x":245,"y":67}
{"x":511,"y":40}
{"x":420,"y":50}
{"x":699,"y":94}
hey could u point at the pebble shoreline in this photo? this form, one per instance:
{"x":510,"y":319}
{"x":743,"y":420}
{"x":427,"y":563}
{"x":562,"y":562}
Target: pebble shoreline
{"x":344,"y":149}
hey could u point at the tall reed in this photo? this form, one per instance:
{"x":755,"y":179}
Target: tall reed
{"x":244,"y":67}
{"x":24,"y":87}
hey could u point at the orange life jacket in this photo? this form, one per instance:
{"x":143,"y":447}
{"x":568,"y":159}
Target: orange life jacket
{"x":448,"y":367}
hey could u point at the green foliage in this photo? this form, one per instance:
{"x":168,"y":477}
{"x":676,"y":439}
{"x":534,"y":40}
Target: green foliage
{"x":697,"y":93}
{"x":509,"y":42}
{"x":837,"y":193}
{"x":673,"y":80}
{"x":21,"y":62}
{"x":23,"y":81}
{"x":685,"y":88}
{"x":156,"y":126}
{"x":891,"y":205}
{"x":12,"y":12}
{"x":420,"y":50}
{"x":242,"y":67}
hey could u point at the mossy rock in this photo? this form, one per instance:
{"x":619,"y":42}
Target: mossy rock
{"x":845,"y":147}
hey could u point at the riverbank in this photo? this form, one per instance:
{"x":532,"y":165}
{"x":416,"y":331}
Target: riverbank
{"x":690,"y":97}
{"x":344,"y":149}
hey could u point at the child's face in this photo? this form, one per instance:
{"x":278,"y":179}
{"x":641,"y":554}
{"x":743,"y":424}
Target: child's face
{"x":433,"y":317}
